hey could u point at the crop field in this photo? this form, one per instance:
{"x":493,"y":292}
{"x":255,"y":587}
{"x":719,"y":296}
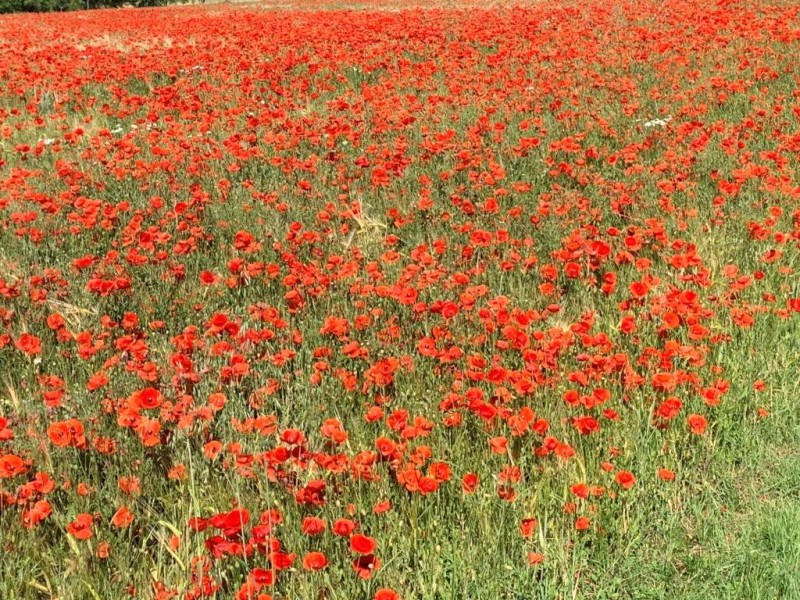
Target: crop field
{"x":398,"y":300}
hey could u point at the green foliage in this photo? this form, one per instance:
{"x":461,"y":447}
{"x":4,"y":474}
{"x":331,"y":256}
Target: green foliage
{"x":15,"y":6}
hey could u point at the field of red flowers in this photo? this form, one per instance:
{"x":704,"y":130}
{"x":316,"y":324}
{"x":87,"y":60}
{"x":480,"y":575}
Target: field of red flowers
{"x":381,"y":301}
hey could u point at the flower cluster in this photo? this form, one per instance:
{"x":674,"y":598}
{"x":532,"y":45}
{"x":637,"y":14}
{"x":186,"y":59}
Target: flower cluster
{"x":282,"y":292}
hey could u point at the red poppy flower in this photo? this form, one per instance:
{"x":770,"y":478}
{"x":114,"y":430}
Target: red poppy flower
{"x":666,"y":474}
{"x":499,"y":445}
{"x":366,"y":565}
{"x":212,"y":449}
{"x":36,"y":514}
{"x":343,"y":527}
{"x":313,"y":526}
{"x":527,"y":527}
{"x":362,"y":544}
{"x":469,"y":483}
{"x":146,"y":399}
{"x":231,"y":523}
{"x":535,"y":558}
{"x":122,"y":518}
{"x":697,"y":424}
{"x":29,"y":344}
{"x":262,"y":577}
{"x":625,"y":479}
{"x":314,"y":561}
{"x":11,"y":465}
{"x":103,"y":551}
{"x":81,"y":527}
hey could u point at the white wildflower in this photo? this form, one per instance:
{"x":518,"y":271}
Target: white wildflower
{"x":659,"y":122}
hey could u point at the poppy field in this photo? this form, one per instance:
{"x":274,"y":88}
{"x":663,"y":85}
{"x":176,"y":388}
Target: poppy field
{"x":388,"y":301}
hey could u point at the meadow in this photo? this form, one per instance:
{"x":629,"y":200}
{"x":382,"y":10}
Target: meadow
{"x":393,"y":300}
